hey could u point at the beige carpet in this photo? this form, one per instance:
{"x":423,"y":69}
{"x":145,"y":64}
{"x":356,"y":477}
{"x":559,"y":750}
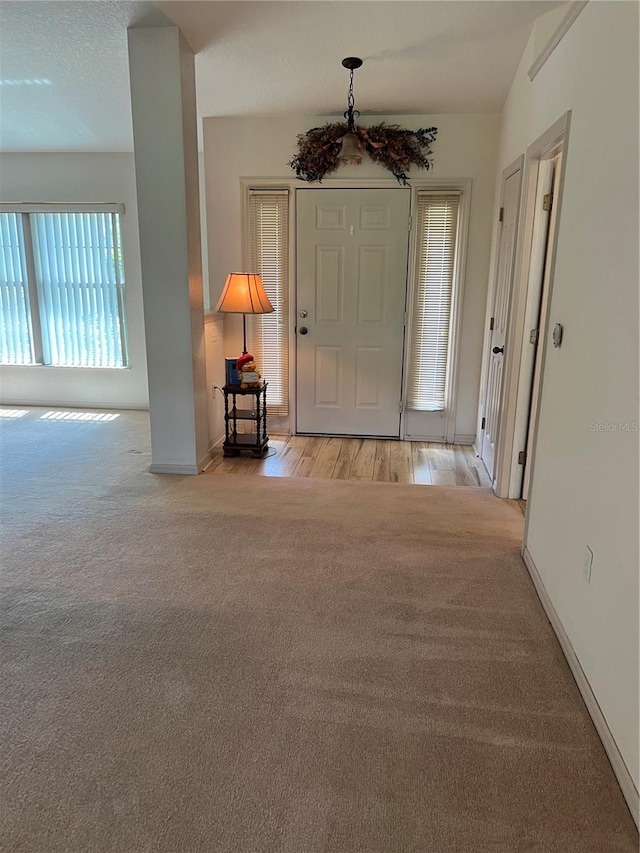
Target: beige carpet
{"x":253,"y":665}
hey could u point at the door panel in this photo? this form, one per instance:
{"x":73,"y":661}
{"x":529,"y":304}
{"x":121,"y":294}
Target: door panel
{"x":372,"y":280}
{"x":502,"y":296}
{"x":351,"y":285}
{"x":328,"y":376}
{"x":369,"y":377}
{"x":329,"y":284}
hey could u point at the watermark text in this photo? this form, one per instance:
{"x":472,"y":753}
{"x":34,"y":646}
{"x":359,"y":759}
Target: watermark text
{"x":620,"y":426}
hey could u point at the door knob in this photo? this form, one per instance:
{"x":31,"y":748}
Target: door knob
{"x":303,"y":330}
{"x":497,"y":350}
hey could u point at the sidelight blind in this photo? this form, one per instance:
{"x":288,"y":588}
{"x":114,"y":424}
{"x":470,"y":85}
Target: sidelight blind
{"x":269,"y":250}
{"x":437,"y":224}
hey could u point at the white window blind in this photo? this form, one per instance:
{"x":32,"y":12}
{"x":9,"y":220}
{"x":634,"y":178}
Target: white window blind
{"x":16,"y":336}
{"x":437,"y":224}
{"x":77,"y":269}
{"x":269,"y":251}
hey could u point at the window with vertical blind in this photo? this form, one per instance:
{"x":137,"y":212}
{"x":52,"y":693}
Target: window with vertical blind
{"x":269,"y":253}
{"x":437,"y":230}
{"x":16,"y":332}
{"x":62,"y":287}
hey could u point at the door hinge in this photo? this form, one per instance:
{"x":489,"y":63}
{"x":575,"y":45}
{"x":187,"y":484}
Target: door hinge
{"x":401,"y":406}
{"x":534,"y":336}
{"x":410,"y":222}
{"x":405,"y":318}
{"x":482,"y":425}
{"x":491,"y":322}
{"x":522,"y":457}
{"x":547,"y":201}
{"x":501,"y":215}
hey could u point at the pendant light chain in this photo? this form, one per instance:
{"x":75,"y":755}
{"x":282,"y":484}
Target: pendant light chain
{"x":351,"y":114}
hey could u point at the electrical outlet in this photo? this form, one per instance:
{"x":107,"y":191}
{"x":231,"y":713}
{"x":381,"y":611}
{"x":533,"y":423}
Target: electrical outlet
{"x":587,"y":564}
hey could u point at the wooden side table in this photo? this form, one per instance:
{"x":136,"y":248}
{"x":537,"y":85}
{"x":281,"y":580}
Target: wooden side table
{"x":248,"y":405}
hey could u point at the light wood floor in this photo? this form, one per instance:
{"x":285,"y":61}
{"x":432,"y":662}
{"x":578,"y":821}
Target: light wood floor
{"x":426,"y":463}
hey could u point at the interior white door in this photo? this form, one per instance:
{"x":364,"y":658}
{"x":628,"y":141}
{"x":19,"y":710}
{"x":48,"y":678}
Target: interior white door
{"x":352,"y":248}
{"x":500,"y":313}
{"x":551,"y":171}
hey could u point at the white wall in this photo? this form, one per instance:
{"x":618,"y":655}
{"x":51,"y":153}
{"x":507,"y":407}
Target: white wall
{"x":80,"y":177}
{"x":585,"y":482}
{"x":262,"y":147}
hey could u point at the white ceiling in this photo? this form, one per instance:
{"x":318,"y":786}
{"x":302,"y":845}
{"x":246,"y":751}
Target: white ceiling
{"x":64,"y":73}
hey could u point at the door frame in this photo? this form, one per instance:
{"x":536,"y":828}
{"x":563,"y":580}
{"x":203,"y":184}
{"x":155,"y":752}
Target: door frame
{"x":462,"y":185}
{"x":513,"y":168}
{"x":514,"y":409}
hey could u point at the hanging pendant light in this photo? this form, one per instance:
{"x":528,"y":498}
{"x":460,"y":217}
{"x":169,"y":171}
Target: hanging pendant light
{"x":350,"y":151}
{"x":322,"y":150}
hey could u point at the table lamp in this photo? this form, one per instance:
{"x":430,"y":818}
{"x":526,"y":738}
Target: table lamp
{"x":244,"y":293}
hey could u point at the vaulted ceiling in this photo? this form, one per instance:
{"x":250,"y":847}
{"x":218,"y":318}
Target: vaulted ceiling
{"x":64,"y":69}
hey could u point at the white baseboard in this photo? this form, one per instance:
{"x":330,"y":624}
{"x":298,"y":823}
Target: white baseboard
{"x":212,"y":448}
{"x":100,"y":407}
{"x":620,"y":769}
{"x":204,"y":463}
{"x":173,"y":469}
{"x":458,"y":438}
{"x":463,"y":438}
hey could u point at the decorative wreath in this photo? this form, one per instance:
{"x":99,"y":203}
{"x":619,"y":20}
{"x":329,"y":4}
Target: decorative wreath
{"x":392,"y":146}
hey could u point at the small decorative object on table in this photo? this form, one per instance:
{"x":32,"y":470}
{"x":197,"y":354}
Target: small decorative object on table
{"x":255,"y":413}
{"x":247,"y":371}
{"x":232,"y":377}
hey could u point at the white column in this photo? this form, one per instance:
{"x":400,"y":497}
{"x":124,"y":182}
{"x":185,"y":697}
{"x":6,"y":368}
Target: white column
{"x":163,"y":103}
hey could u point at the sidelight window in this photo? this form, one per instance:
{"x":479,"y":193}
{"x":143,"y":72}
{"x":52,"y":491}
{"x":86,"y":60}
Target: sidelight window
{"x":431,"y":337}
{"x":269,"y":251}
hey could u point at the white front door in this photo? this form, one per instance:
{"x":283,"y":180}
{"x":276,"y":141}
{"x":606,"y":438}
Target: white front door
{"x":352,"y":250}
{"x":500,"y":312}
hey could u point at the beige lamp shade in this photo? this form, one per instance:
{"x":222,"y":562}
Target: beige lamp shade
{"x":244,"y":293}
